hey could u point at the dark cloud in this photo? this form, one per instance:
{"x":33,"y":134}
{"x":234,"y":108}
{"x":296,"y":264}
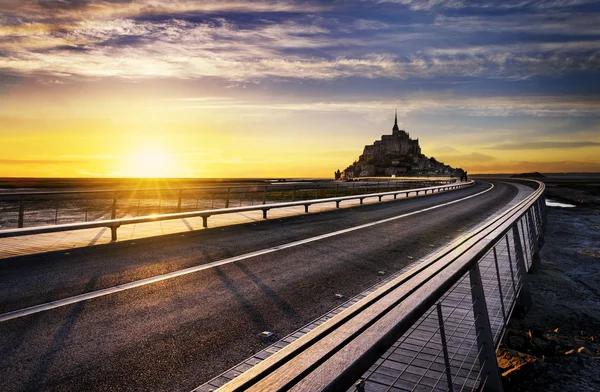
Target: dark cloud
{"x":63,"y":4}
{"x":472,"y":157}
{"x":543,"y":145}
{"x":76,"y":4}
{"x":8,"y":80}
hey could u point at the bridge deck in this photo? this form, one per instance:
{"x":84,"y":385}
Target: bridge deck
{"x":416,"y":361}
{"x":62,"y":241}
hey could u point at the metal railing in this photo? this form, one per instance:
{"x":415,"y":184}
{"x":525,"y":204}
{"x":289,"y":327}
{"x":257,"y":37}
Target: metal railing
{"x":435,"y":327}
{"x":26,"y":209}
{"x":114,"y":224}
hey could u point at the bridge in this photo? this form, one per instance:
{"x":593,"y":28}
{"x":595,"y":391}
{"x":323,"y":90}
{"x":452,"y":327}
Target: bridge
{"x":411,"y":294}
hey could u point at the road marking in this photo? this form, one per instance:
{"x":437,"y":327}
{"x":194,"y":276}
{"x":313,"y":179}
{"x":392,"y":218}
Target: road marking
{"x":142,"y":282}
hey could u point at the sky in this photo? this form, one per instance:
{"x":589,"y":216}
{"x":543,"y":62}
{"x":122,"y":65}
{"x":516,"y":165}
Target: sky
{"x":285,"y":88}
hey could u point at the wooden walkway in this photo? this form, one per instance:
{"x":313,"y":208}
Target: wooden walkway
{"x":63,"y":241}
{"x":416,"y":361}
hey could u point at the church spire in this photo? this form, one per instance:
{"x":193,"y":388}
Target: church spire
{"x":396,"y":128}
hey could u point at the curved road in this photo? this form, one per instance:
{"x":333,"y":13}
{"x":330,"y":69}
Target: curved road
{"x":177,"y":333}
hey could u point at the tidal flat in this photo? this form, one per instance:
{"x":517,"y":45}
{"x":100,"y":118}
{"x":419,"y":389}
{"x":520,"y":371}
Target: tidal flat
{"x":555,"y":346}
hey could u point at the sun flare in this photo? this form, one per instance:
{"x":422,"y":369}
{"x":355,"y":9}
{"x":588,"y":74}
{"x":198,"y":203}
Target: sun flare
{"x":149,"y":162}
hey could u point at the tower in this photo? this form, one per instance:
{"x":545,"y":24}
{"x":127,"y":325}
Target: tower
{"x":395,"y":128}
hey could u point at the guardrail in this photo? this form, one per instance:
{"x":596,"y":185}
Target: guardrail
{"x":42,"y":207}
{"x":114,"y":224}
{"x":435,"y":327}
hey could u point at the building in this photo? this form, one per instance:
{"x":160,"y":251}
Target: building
{"x":396,"y":154}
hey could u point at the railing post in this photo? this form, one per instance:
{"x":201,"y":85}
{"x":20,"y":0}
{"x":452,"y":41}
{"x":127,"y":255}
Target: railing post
{"x":360,"y":386}
{"x":444,"y":347}
{"x":485,"y":339}
{"x":205,"y":221}
{"x":179,"y":202}
{"x":227,"y":198}
{"x":524,"y":299}
{"x":113,"y":213}
{"x":113,"y":233}
{"x":21,"y":211}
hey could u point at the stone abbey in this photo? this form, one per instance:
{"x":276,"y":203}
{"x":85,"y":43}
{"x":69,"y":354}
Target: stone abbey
{"x":396,"y":155}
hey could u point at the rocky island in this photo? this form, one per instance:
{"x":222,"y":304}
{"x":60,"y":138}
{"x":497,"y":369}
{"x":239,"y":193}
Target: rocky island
{"x":396,"y":155}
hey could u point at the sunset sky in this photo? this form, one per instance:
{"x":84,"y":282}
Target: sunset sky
{"x":286,"y":88}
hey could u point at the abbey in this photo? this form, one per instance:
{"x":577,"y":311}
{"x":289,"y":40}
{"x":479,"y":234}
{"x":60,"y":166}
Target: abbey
{"x":398,"y":143}
{"x":396,"y":155}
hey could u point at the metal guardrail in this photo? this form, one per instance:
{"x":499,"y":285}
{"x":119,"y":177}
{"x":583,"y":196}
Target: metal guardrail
{"x":95,"y":204}
{"x":114,"y":224}
{"x":435,"y":327}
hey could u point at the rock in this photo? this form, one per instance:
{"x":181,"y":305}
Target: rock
{"x":586,"y":352}
{"x":517,"y":342}
{"x":539,"y":365}
{"x":539,"y":343}
{"x":538,"y":333}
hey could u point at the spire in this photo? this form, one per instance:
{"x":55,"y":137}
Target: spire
{"x":395,"y":128}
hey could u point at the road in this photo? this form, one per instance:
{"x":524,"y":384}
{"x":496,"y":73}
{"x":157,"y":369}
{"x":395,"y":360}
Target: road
{"x":177,"y":333}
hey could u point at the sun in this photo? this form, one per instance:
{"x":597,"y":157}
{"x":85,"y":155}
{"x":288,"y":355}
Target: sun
{"x":149,"y":162}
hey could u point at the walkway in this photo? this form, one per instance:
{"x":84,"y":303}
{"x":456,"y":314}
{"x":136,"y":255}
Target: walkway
{"x":63,"y":241}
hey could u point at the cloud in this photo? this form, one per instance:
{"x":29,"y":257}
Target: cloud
{"x":468,"y":158}
{"x":72,"y":9}
{"x":432,"y":104}
{"x":420,"y":5}
{"x":543,"y":145}
{"x":294,"y":40}
{"x":446,"y":149}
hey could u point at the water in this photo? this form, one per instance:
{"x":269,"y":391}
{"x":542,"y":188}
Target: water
{"x":554,"y":203}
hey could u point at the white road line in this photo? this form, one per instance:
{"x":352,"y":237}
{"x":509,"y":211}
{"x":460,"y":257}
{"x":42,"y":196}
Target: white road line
{"x":142,"y":282}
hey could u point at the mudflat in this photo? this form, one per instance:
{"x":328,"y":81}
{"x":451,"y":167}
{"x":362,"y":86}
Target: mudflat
{"x":555,"y":345}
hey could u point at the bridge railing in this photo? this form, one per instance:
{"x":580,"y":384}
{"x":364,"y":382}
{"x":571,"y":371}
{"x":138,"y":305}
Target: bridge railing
{"x":435,"y":327}
{"x":27,"y":209}
{"x":114,"y":224}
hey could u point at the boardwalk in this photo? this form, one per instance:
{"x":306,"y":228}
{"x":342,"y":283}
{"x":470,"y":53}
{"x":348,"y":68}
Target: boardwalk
{"x":63,"y":241}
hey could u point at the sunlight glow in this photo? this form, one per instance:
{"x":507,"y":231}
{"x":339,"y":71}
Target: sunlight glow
{"x":149,"y":162}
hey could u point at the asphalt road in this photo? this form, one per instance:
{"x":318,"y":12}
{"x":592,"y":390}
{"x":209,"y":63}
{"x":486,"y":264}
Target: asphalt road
{"x":178,"y":333}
